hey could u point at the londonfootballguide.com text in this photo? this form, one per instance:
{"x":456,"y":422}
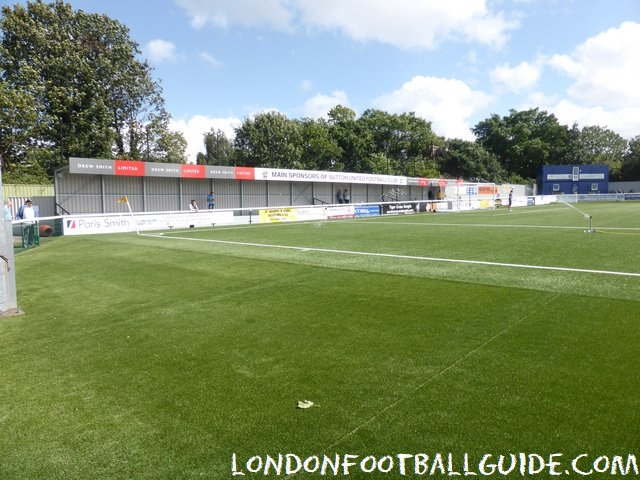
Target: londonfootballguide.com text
{"x":447,"y":464}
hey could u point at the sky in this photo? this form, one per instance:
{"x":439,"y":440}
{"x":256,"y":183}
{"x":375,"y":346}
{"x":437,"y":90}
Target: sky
{"x":451,"y":62}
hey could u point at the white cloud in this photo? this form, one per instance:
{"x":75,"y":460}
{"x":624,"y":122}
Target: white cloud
{"x":305,"y":86}
{"x":404,"y":23}
{"x":408,"y":23}
{"x":522,"y":77}
{"x":565,"y":64}
{"x":605,"y":69}
{"x":210,"y":59}
{"x":195,"y":128}
{"x":249,"y":13}
{"x":447,"y":103}
{"x":605,"y":74}
{"x":158,"y":51}
{"x":624,"y":121}
{"x":319,"y":105}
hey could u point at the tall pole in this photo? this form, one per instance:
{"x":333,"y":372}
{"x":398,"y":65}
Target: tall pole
{"x":8,"y":295}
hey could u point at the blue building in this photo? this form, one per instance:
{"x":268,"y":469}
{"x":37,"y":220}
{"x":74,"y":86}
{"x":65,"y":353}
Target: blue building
{"x":566,"y":179}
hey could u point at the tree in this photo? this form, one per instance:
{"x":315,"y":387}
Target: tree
{"x":344,"y":132}
{"x":404,"y":140}
{"x":524,"y":141}
{"x":17,"y":115}
{"x":470,"y":161}
{"x":418,"y":142}
{"x":603,"y":146}
{"x":92,"y":96}
{"x":218,"y":149}
{"x":155,"y":142}
{"x":268,"y":140}
{"x":351,"y":138}
{"x":318,"y":150}
{"x":630,"y":169}
{"x":384,"y":134}
{"x":170,"y":147}
{"x":494,"y":135}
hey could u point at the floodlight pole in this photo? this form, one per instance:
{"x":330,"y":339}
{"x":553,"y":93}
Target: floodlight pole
{"x":8,"y":295}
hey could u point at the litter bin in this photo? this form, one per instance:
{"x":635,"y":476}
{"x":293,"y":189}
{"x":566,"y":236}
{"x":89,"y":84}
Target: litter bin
{"x":45,"y":231}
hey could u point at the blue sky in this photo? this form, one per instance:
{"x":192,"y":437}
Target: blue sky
{"x":452,"y":62}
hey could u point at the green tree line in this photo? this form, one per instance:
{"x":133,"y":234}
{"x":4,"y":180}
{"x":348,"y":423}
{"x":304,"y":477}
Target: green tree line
{"x":511,"y":148}
{"x":72,"y":85}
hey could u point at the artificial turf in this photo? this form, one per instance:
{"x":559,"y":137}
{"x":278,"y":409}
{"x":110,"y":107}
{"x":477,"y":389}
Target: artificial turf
{"x":170,"y":355}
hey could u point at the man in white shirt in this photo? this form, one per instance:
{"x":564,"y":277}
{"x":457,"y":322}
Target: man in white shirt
{"x":28,"y":214}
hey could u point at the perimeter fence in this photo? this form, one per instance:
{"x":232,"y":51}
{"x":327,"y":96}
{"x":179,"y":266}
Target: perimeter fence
{"x":29,"y":234}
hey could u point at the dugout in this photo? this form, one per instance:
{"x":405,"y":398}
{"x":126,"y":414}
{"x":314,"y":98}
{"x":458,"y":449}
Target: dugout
{"x":570,"y":179}
{"x":95,"y":186}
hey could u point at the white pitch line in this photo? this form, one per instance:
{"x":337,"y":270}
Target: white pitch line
{"x":483,"y":225}
{"x":486,"y":225}
{"x":403,"y":257}
{"x":521,"y":211}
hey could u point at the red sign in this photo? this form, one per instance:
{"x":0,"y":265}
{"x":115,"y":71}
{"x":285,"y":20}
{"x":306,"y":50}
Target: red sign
{"x":442,"y":182}
{"x":244,"y":173}
{"x":192,"y":171}
{"x":487,"y":190}
{"x":423,"y":182}
{"x":129,"y":168}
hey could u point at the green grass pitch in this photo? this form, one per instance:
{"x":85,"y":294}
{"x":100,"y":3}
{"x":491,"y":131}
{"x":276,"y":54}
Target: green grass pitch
{"x":169,"y":355}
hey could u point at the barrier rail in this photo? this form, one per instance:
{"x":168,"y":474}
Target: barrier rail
{"x":148,"y":221}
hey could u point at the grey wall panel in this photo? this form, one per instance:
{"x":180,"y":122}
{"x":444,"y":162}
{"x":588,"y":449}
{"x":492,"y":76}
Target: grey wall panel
{"x":78,"y":193}
{"x":74,"y":204}
{"x":279,"y":194}
{"x":254,"y":194}
{"x":227,"y":193}
{"x":323,"y":192}
{"x":374,"y":192}
{"x":358,"y":193}
{"x":162,"y":194}
{"x":81,"y":193}
{"x":302,"y":193}
{"x":115,"y":188}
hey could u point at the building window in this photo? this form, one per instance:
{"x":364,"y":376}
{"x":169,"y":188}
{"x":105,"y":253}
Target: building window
{"x":556,"y":187}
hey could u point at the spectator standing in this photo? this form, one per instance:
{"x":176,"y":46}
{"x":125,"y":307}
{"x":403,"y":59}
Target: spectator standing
{"x":339,"y":196}
{"x":28,"y":214}
{"x":8,"y":214}
{"x":345,"y":196}
{"x":211,"y":200}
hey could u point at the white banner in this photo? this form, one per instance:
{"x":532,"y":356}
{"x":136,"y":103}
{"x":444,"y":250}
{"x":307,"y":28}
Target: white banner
{"x":335,"y":177}
{"x":122,"y":222}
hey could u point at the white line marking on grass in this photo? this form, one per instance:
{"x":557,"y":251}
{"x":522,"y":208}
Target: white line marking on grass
{"x":527,"y":212}
{"x":397,"y":256}
{"x":487,"y":225}
{"x":600,"y":230}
